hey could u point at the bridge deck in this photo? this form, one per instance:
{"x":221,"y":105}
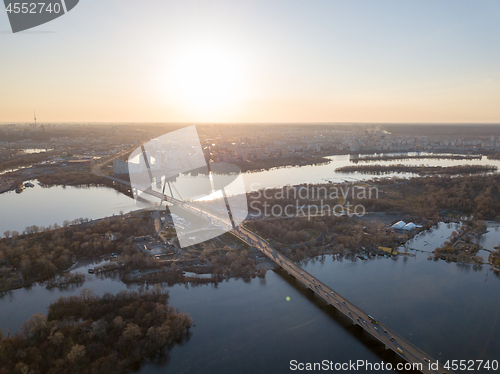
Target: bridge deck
{"x":385,"y":335}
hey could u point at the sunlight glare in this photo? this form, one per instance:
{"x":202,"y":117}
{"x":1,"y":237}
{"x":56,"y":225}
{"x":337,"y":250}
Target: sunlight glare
{"x":205,"y":81}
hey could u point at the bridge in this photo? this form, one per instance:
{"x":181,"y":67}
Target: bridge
{"x":409,"y":352}
{"x":379,"y":331}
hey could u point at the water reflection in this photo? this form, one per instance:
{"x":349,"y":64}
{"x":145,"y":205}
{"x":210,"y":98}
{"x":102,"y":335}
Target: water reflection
{"x":44,"y":206}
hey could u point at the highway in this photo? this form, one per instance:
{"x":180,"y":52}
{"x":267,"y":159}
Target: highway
{"x":382,"y":333}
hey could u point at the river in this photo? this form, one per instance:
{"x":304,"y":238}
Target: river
{"x":44,"y":206}
{"x":449,"y":311}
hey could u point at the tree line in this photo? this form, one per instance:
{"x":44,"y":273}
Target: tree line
{"x":91,"y":334}
{"x":42,"y":255}
{"x":23,"y":159}
{"x":435,"y":197}
{"x":422,"y":169}
{"x":410,"y":157}
{"x":340,"y":235}
{"x":280,"y":162}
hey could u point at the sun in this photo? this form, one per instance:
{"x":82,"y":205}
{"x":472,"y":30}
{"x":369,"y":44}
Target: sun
{"x":204,"y":81}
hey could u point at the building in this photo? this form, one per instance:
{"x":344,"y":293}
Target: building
{"x":120,"y":167}
{"x":410,"y":226}
{"x":399,"y":225}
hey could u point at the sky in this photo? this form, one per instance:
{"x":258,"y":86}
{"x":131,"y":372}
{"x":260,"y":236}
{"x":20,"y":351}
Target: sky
{"x":256,"y":61}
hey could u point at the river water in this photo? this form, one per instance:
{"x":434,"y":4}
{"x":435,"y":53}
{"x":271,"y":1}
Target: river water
{"x":44,"y":206}
{"x":449,"y":311}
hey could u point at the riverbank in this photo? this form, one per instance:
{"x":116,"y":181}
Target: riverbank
{"x":6,"y":184}
{"x":70,"y":174}
{"x":463,"y":246}
{"x":420,"y":170}
{"x":280,"y":162}
{"x":40,"y":254}
{"x":401,"y":156}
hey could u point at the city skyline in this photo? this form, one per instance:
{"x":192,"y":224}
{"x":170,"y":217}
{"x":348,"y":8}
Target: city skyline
{"x":254,"y":62}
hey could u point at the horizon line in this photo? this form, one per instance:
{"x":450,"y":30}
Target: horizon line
{"x":247,"y":123}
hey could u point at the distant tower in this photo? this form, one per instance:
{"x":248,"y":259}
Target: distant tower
{"x":34,"y":114}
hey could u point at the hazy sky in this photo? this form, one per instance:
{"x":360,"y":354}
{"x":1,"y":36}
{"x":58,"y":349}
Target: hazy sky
{"x":256,"y":61}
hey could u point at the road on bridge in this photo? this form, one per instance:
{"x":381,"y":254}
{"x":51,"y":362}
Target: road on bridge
{"x":391,"y":339}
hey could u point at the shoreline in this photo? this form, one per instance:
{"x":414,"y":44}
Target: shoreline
{"x":23,"y":174}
